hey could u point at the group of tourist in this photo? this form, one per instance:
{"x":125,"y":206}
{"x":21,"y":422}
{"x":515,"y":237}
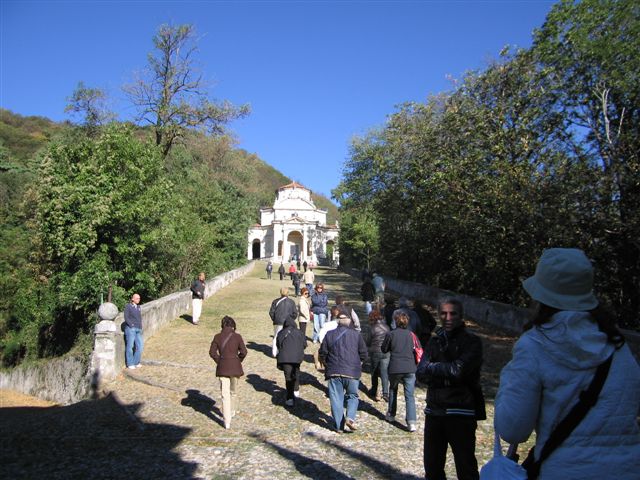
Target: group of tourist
{"x":571,"y":348}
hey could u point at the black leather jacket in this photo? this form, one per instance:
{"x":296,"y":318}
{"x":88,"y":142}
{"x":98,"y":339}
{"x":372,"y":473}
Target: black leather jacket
{"x":450,"y":367}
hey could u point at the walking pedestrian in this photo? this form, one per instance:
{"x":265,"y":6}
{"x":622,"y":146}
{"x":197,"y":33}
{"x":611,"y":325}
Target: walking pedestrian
{"x":342,"y":352}
{"x":379,"y":360}
{"x":228,"y":351}
{"x":402,"y":369}
{"x":197,"y":294}
{"x":295,"y":280}
{"x":269,"y":270}
{"x":309,"y":277}
{"x":282,"y":308}
{"x":290,"y":344}
{"x":281,"y":271}
{"x":304,"y":310}
{"x":367,"y":293}
{"x":319,"y":307}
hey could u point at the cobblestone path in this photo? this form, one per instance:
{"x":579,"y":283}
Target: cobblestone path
{"x":164,"y":420}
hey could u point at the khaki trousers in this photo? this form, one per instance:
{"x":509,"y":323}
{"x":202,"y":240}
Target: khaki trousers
{"x":229,"y":401}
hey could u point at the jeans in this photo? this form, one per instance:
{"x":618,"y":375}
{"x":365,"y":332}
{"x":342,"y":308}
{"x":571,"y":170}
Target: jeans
{"x":341,"y":390}
{"x":409,"y":382}
{"x":460,"y":433}
{"x":133,"y":337}
{"x":379,"y":368}
{"x":318,"y":322}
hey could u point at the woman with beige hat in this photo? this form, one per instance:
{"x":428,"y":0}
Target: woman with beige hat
{"x":569,"y":339}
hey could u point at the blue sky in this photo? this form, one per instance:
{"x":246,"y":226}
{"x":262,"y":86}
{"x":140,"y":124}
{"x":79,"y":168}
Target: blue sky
{"x":316,"y":73}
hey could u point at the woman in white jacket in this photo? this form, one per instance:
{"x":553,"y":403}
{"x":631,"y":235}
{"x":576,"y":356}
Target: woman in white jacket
{"x":554,"y":360}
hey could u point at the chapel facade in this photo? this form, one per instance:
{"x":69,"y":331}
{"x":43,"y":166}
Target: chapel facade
{"x":294,"y":228}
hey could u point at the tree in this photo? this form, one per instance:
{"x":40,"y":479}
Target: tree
{"x":171,"y":94}
{"x":91,"y":104}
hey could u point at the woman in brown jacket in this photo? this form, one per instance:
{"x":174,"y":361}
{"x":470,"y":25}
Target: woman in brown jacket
{"x":228,"y":350}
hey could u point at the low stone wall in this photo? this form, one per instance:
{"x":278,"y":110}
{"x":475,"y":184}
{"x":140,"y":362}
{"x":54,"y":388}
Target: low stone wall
{"x":504,"y":316}
{"x":62,"y":380}
{"x":70,"y":379}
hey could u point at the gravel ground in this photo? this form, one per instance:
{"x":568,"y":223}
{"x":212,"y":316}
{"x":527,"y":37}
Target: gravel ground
{"x":164,"y":420}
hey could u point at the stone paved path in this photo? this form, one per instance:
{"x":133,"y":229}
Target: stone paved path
{"x":164,"y":420}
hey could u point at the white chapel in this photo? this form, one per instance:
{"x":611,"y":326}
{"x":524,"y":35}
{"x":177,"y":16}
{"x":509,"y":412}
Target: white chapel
{"x":294,"y":228}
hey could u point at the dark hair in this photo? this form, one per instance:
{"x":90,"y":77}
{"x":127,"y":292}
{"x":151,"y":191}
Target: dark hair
{"x":339,"y":299}
{"x":402,"y":319}
{"x":227,"y":321}
{"x":335,"y":311}
{"x":601,"y":315}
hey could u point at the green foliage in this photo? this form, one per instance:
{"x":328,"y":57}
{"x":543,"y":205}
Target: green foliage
{"x":538,"y":150}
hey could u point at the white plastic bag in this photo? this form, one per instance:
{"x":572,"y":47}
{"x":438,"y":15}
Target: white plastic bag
{"x":501,"y":467}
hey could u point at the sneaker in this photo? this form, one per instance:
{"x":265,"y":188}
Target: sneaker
{"x":378,"y":397}
{"x":390,"y":418}
{"x":289,"y":403}
{"x":350,"y":424}
{"x":385,"y":397}
{"x":132,"y":367}
{"x":412,"y":427}
{"x":296,"y":393}
{"x":227,"y":426}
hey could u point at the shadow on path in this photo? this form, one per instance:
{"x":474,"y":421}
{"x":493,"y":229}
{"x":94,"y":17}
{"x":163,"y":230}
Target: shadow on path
{"x":381,"y":468}
{"x":203,"y":404}
{"x":89,"y":438}
{"x":308,"y":467}
{"x":260,"y":347}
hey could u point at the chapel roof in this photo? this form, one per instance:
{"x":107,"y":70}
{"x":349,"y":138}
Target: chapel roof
{"x":293,"y":184}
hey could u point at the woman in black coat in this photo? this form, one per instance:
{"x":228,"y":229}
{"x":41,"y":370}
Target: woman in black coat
{"x":290,"y":343}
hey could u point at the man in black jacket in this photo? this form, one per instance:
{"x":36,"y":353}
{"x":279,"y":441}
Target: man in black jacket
{"x":282,"y":308}
{"x":451,"y":369}
{"x":197,"y":294}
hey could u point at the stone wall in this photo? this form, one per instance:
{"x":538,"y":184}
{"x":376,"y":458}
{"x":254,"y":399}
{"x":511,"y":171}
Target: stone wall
{"x":70,"y":379}
{"x":487,"y":312}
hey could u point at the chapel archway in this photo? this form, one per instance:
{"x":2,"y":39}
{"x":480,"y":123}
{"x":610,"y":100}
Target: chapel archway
{"x":295,"y":242}
{"x":255,"y":246}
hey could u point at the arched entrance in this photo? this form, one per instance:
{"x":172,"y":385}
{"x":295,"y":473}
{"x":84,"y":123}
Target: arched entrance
{"x":330,"y":250}
{"x":294,"y":240}
{"x":256,"y":249}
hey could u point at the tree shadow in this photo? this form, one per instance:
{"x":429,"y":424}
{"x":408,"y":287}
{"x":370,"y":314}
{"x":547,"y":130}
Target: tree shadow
{"x":309,"y":467}
{"x":203,"y":404}
{"x":382,"y":469}
{"x":261,"y":347}
{"x":91,"y":437}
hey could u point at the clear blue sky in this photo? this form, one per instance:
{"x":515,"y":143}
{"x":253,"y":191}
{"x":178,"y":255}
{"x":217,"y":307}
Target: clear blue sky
{"x":316,"y":73}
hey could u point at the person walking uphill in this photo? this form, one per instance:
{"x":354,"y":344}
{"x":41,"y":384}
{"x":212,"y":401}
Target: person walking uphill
{"x":402,"y":369}
{"x":282,"y":308}
{"x":450,"y":367}
{"x":342,"y":352}
{"x":197,"y":294}
{"x":569,"y":340}
{"x":269,"y":269}
{"x":290,"y":344}
{"x":320,"y":309}
{"x":133,"y":332}
{"x":281,"y":272}
{"x":228,"y":351}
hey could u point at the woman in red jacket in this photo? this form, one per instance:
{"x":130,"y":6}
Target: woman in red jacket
{"x":228,"y":350}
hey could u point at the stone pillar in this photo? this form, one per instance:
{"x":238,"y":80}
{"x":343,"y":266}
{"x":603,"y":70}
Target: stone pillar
{"x":104,"y":360}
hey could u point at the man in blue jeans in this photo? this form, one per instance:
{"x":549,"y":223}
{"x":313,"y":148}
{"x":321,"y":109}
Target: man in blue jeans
{"x":133,"y":332}
{"x":342,"y":352}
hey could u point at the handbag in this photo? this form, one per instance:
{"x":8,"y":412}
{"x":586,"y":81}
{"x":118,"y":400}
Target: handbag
{"x":588,"y":399}
{"x":501,"y":467}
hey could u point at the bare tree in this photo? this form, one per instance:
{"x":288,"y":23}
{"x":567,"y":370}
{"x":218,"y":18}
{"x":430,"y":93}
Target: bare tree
{"x":171,"y":94}
{"x":90,"y":103}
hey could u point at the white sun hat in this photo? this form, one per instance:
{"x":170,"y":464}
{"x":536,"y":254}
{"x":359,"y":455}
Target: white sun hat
{"x":563,"y":280}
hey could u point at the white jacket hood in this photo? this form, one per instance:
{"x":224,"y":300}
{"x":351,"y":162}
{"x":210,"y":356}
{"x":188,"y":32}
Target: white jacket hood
{"x":573,"y":340}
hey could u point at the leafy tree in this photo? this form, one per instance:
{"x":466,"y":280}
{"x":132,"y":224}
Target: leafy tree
{"x":172,"y":96}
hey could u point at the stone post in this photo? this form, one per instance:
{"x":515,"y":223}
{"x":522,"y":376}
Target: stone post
{"x":104,"y":366}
